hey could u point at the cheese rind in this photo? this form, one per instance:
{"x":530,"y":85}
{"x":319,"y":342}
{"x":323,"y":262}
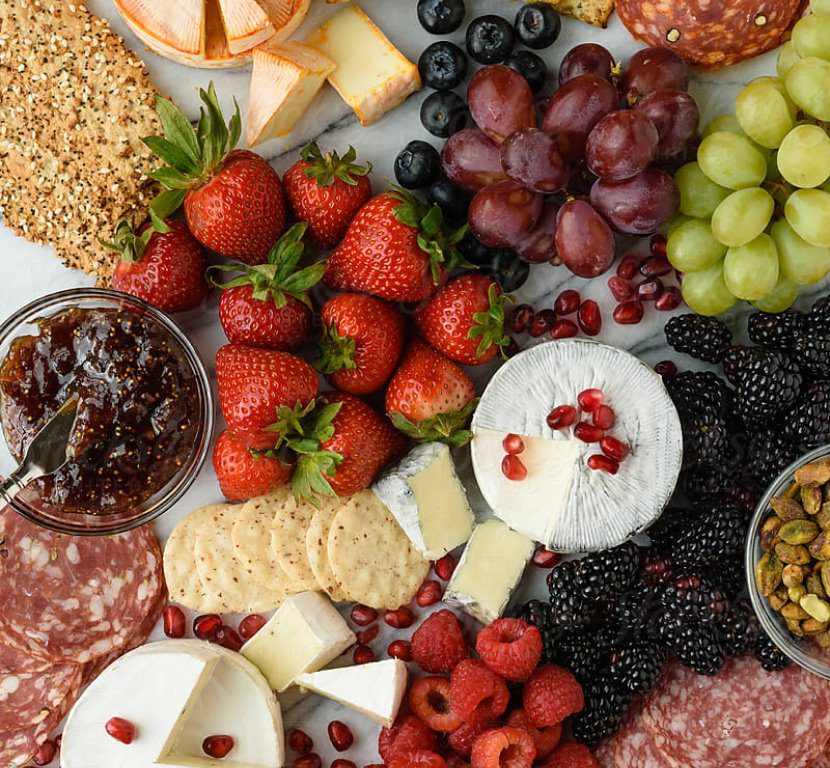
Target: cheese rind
{"x":428,"y":500}
{"x":304,"y":635}
{"x":175,"y":27}
{"x":246,"y":24}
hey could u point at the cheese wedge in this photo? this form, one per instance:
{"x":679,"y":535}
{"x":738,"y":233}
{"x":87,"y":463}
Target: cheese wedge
{"x":174,"y":29}
{"x":285,"y":79}
{"x":217,"y":51}
{"x":246,"y":24}
{"x":372,"y":76}
{"x":286,"y":16}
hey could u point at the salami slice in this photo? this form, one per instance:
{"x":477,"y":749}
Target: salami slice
{"x":744,"y":717}
{"x":74,"y":598}
{"x":709,"y":33}
{"x":604,"y":752}
{"x":634,"y":745}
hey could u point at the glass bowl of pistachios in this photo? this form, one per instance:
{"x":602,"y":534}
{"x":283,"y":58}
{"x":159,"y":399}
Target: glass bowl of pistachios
{"x":788,"y":561}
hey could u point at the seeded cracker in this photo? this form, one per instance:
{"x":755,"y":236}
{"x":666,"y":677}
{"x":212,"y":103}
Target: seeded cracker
{"x":316,"y":541}
{"x":288,"y":530}
{"x":74,"y":103}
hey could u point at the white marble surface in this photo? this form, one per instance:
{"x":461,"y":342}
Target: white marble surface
{"x":30,"y":271}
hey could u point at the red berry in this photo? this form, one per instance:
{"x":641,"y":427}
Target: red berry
{"x":545,"y":558}
{"x":670,"y":299}
{"x":628,"y":313}
{"x":561,"y":417}
{"x":542,"y":323}
{"x":438,"y":645}
{"x":250,"y":625}
{"x":511,"y":648}
{"x":341,"y":763}
{"x":621,"y":289}
{"x":506,"y":747}
{"x":571,"y":755}
{"x":613,"y":448}
{"x":604,"y":417}
{"x":400,"y":649}
{"x":45,"y":753}
{"x":311,"y":760}
{"x":363,"y":654}
{"x":551,"y":694}
{"x":407,"y":734}
{"x":567,"y":302}
{"x":564,"y":329}
{"x":217,"y":746}
{"x":603,"y":463}
{"x":656,"y":266}
{"x":120,"y":729}
{"x":430,"y":593}
{"x":300,"y":742}
{"x":657,"y":245}
{"x":628,"y":266}
{"x":461,"y":740}
{"x":590,"y":399}
{"x":520,"y":318}
{"x":429,"y":699}
{"x":513,"y":468}
{"x":545,"y":739}
{"x":340,"y":735}
{"x":589,"y":317}
{"x":513,"y":444}
{"x":206,"y":626}
{"x":477,"y":693}
{"x":402,"y":618}
{"x":445,"y":567}
{"x":420,"y":758}
{"x":363,"y":615}
{"x":174,"y":620}
{"x":650,"y":290}
{"x":666,"y":368}
{"x":588,"y":433}
{"x":367,"y":635}
{"x":228,"y":638}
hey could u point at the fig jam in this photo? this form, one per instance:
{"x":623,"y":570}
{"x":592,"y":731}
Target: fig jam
{"x":138,"y":406}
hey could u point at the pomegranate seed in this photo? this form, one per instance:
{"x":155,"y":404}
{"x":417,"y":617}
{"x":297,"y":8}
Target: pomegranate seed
{"x":174,"y":621}
{"x":542,"y":323}
{"x":218,"y":746}
{"x":666,"y":368}
{"x":400,"y":649}
{"x":588,"y":433}
{"x":656,"y":266}
{"x":613,"y":448}
{"x":311,"y":760}
{"x":445,"y":567}
{"x":340,"y":735}
{"x":621,"y":290}
{"x":650,"y":290}
{"x":513,"y":444}
{"x":628,"y":313}
{"x":544,"y":558}
{"x":363,"y":615}
{"x":45,"y":753}
{"x":590,"y":399}
{"x":628,"y":266}
{"x":604,"y":417}
{"x":520,"y":318}
{"x":250,"y":625}
{"x":564,"y":329}
{"x":341,"y":763}
{"x":589,"y":317}
{"x":120,"y":729}
{"x":657,"y":245}
{"x":670,"y":299}
{"x":206,"y":626}
{"x":228,"y":638}
{"x":300,"y":742}
{"x":367,"y":635}
{"x":603,"y":463}
{"x":430,"y":593}
{"x":363,"y":654}
{"x":561,"y":417}
{"x":399,"y":619}
{"x":567,"y":302}
{"x":513,"y":469}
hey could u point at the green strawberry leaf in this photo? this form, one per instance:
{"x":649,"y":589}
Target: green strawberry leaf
{"x":177,"y":128}
{"x":449,"y":428}
{"x":489,"y":325}
{"x":325,"y":168}
{"x":335,"y":352}
{"x":171,"y":154}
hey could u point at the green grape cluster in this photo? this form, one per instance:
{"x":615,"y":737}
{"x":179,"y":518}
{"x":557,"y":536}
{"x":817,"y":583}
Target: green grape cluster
{"x":754,"y":219}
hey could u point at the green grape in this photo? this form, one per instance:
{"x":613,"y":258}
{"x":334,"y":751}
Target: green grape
{"x":782,"y":297}
{"x":811,"y":37}
{"x":765,"y":113}
{"x":808,"y":213}
{"x":705,"y":291}
{"x":731,"y":160}
{"x":751,"y":271}
{"x":676,"y":221}
{"x":807,"y":85}
{"x":692,"y":246}
{"x":786,"y":58}
{"x":742,"y":216}
{"x":804,"y":156}
{"x":820,"y":6}
{"x":800,"y":262}
{"x":722,"y":123}
{"x":699,"y":195}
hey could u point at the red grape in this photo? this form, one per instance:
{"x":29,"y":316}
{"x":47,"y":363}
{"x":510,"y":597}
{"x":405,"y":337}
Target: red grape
{"x":500,"y":101}
{"x":675,"y":116}
{"x":504,"y":213}
{"x":584,"y":241}
{"x":540,"y":245}
{"x":653,"y":69}
{"x":575,"y":109}
{"x":530,"y":156}
{"x":586,"y":59}
{"x":621,"y":145}
{"x":637,"y":206}
{"x":471,"y":160}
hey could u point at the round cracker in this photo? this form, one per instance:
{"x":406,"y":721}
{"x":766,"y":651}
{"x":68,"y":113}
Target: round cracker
{"x":226,"y":578}
{"x":288,"y":528}
{"x":316,"y":541}
{"x":373,"y":560}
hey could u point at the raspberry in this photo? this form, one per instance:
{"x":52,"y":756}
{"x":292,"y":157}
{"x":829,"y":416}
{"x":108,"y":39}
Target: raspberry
{"x":571,"y":755}
{"x":506,"y":747}
{"x":551,"y":695}
{"x":419,"y":758}
{"x":429,"y":699}
{"x":511,"y":648}
{"x":546,"y":739}
{"x":454,"y":761}
{"x":406,"y":734}
{"x":462,"y":738}
{"x":477,"y":693}
{"x":438,"y":644}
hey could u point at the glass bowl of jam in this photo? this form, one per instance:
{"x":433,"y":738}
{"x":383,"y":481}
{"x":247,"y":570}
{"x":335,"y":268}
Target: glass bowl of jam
{"x":145,"y":409}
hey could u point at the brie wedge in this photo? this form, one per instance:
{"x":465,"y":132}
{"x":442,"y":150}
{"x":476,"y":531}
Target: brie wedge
{"x":372,"y":76}
{"x":376,"y":689}
{"x":246,"y":24}
{"x":286,"y":16}
{"x":176,"y":29}
{"x":304,"y":635}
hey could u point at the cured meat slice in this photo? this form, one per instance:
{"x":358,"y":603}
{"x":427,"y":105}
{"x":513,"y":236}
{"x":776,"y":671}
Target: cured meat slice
{"x":744,"y":717}
{"x":707,"y":33}
{"x":604,"y":752}
{"x":634,"y":747}
{"x":74,"y":598}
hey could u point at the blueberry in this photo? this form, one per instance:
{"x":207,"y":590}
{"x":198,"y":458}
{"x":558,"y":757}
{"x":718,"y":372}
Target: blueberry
{"x":475,"y":251}
{"x":531,"y":67}
{"x":442,"y":66}
{"x":443,"y":113}
{"x":537,"y":25}
{"x":508,"y":270}
{"x":489,"y":39}
{"x":440,"y":17}
{"x":452,"y":199}
{"x":417,"y":165}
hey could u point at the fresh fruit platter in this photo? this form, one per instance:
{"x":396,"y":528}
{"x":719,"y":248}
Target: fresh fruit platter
{"x":439,"y":384}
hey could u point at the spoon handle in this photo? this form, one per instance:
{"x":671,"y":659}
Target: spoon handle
{"x":12,"y":485}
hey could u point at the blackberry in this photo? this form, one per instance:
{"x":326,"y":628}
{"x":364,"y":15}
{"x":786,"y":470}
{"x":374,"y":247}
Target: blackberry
{"x":771,"y":384}
{"x":768,"y":454}
{"x":631,"y":614}
{"x":704,"y":338}
{"x":583,"y":653}
{"x":695,"y":644}
{"x":637,"y":666}
{"x":705,"y":437}
{"x":774,"y":331}
{"x":704,"y":482}
{"x":727,"y":575}
{"x":696,"y":390}
{"x":745,"y":495}
{"x":601,"y":575}
{"x":712,"y":535}
{"x":605,"y":706}
{"x":808,"y":423}
{"x":738,"y":629}
{"x":772,"y":658}
{"x":817,"y":319}
{"x":812,"y":351}
{"x":537,"y":613}
{"x":568,"y":608}
{"x":657,"y":570}
{"x":736,"y":359}
{"x":690,"y":597}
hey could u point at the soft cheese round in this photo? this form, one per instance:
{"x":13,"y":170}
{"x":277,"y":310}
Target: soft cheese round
{"x":597,"y":510}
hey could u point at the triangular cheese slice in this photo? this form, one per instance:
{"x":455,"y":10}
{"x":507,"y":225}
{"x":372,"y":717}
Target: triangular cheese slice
{"x":286,"y":16}
{"x":246,"y":24}
{"x":176,"y":29}
{"x":216,"y":44}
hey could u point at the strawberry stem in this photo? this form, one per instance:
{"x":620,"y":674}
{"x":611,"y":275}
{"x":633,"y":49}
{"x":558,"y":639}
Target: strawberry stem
{"x":449,"y":428}
{"x":335,"y":352}
{"x":489,"y":325}
{"x":324,"y":169}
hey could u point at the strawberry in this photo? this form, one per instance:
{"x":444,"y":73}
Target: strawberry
{"x":263,"y":393}
{"x":465,"y":319}
{"x":395,"y":248}
{"x":268,"y":305}
{"x":233,"y":199}
{"x":244,"y":473}
{"x":430,"y":397}
{"x":326,"y":192}
{"x":361,"y":344}
{"x":164,"y":266}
